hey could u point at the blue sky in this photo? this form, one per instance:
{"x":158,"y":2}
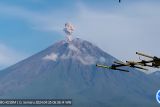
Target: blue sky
{"x":29,"y":26}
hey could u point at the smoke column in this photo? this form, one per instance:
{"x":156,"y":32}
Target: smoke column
{"x":69,"y":28}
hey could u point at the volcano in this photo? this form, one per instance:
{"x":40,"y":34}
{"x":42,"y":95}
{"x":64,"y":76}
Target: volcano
{"x":67,"y":70}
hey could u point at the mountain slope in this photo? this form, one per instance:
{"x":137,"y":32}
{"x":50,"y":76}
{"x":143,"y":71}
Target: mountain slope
{"x":67,"y":70}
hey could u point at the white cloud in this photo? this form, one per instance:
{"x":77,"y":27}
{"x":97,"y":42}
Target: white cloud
{"x":73,"y":48}
{"x":84,"y":59}
{"x":9,"y":56}
{"x":87,"y":60}
{"x":52,"y":56}
{"x":76,"y":54}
